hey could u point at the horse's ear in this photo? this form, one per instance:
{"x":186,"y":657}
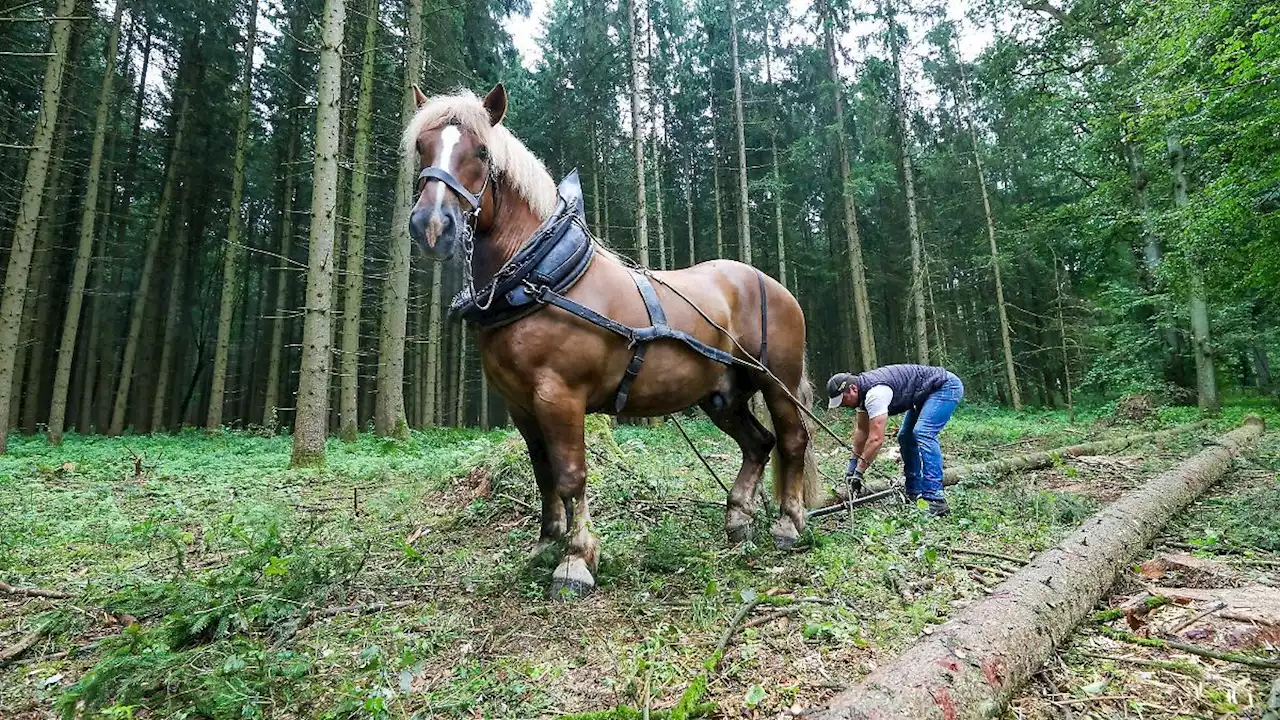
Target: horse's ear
{"x":496,"y":103}
{"x":418,"y":98}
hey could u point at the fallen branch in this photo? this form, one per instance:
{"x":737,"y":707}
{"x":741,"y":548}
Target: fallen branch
{"x":1100,"y":698}
{"x":984,"y":553}
{"x":1179,"y":666}
{"x":1187,"y":647}
{"x":35,"y":592}
{"x":15,"y":651}
{"x":973,"y":664}
{"x":360,"y":609}
{"x":1198,"y":617}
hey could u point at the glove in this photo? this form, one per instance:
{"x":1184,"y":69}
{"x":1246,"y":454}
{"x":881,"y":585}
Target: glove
{"x":853,"y":478}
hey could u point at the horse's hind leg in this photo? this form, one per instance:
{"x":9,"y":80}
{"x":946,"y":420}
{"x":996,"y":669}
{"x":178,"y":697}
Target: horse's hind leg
{"x":553,"y":509}
{"x":736,"y":420}
{"x":789,"y":474}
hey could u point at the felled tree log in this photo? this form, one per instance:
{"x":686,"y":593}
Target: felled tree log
{"x":1031,"y":461}
{"x":971,"y":665}
{"x":1045,"y":458}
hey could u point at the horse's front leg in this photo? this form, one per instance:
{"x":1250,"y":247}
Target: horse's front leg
{"x":561,"y":418}
{"x":553,"y":509}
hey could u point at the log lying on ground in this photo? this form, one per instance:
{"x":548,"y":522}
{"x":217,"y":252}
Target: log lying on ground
{"x":1031,"y":461}
{"x":971,"y":665}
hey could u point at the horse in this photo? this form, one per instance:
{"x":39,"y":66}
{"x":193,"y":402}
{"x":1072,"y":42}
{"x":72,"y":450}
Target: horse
{"x":482,"y":192}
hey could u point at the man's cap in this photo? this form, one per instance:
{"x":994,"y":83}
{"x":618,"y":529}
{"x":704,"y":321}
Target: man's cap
{"x":836,"y":387}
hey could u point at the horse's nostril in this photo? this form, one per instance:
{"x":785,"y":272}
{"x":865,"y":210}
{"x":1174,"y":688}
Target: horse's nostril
{"x":418,"y":224}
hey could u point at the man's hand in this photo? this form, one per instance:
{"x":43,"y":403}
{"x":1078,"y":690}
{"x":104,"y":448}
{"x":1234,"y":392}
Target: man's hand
{"x":853,"y":478}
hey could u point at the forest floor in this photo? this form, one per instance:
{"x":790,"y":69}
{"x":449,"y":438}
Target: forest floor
{"x":207,"y":580}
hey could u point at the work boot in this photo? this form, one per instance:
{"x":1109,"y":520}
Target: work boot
{"x":938,"y":508}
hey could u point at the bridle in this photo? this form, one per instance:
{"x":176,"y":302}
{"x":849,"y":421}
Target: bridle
{"x":471,"y":217}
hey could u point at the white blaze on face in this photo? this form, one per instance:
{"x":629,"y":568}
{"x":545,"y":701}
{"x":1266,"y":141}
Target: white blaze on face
{"x":449,"y":138}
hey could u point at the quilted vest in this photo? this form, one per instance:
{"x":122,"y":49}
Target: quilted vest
{"x":911,"y":384}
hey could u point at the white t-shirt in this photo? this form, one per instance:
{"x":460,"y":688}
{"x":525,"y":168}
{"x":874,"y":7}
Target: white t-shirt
{"x":877,"y":401}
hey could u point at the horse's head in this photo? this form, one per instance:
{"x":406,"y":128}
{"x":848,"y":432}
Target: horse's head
{"x":456,"y":172}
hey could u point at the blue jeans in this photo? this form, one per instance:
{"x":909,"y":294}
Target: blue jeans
{"x":918,"y":438}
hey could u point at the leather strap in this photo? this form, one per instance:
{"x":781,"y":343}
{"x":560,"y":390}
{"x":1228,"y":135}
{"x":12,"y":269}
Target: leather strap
{"x":764,"y":321}
{"x":657,"y":322}
{"x":446,"y":177}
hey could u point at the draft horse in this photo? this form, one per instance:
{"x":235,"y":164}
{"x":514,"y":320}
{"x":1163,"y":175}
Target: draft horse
{"x":555,"y":357}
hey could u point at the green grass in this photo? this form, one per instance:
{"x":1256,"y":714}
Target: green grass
{"x":220,"y":551}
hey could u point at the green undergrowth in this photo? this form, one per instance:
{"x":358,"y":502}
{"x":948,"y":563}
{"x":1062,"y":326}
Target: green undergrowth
{"x":228,"y":561}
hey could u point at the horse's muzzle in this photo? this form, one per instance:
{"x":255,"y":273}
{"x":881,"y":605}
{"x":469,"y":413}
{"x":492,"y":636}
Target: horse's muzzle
{"x":433,"y":231}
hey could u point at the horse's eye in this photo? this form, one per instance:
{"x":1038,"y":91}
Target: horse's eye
{"x":482,"y":152}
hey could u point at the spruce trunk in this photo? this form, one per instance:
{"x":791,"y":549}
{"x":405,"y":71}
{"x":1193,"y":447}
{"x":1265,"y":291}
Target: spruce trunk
{"x":311,"y":427}
{"x":389,"y":416}
{"x":857,"y":269}
{"x":231,"y":257}
{"x":744,"y":216}
{"x":138,"y":311}
{"x":348,"y":397}
{"x":84,"y":251}
{"x":173,"y":316}
{"x":24,"y":236}
{"x":642,"y":223}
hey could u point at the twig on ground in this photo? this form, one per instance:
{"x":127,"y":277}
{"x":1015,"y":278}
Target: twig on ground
{"x":1193,"y":649}
{"x":989,"y":569}
{"x":984,"y":553}
{"x":766,"y":619}
{"x":15,"y":651}
{"x":35,"y":592}
{"x":1100,"y":698}
{"x":1198,"y":617}
{"x":1179,"y":666}
{"x":1246,"y":618}
{"x":360,"y":609}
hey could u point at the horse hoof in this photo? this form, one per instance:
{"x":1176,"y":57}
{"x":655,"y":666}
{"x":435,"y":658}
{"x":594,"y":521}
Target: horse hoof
{"x":571,"y":579}
{"x":785,"y":534}
{"x":738,"y":534}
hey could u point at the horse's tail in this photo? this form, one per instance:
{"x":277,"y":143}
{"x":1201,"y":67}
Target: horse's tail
{"x":814,"y":494}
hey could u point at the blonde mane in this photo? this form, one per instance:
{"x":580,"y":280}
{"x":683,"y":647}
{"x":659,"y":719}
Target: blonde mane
{"x":512,"y":162}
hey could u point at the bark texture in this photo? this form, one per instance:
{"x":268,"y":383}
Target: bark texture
{"x":857,"y":269}
{"x":24,"y":236}
{"x":388,"y":414}
{"x":1206,"y":379}
{"x":971,"y":665}
{"x":231,"y":253}
{"x":744,"y":215}
{"x":348,"y":395}
{"x":642,"y":223}
{"x":311,"y":427}
{"x":84,"y":251}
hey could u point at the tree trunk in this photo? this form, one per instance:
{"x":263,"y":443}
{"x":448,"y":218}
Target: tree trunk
{"x":595,"y":180}
{"x":1010,"y":376}
{"x":1062,"y":335}
{"x":657,"y":197}
{"x":231,"y":256}
{"x":777,"y":173}
{"x":744,"y":215}
{"x":1206,"y":380}
{"x":1261,"y":364}
{"x":688,"y":211}
{"x":909,"y":185}
{"x":389,"y":417}
{"x":84,"y":251}
{"x":642,"y":226}
{"x":275,"y":359}
{"x":717,"y":202}
{"x":460,"y":409}
{"x":857,"y":270}
{"x":431,"y":392}
{"x":173,"y":316}
{"x":15,"y":279}
{"x":484,"y":399}
{"x":311,"y":427}
{"x":970,"y":666}
{"x":104,"y":303}
{"x":348,"y":402}
{"x":138,"y":311}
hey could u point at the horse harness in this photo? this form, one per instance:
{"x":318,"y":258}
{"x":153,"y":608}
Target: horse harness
{"x":551,"y":263}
